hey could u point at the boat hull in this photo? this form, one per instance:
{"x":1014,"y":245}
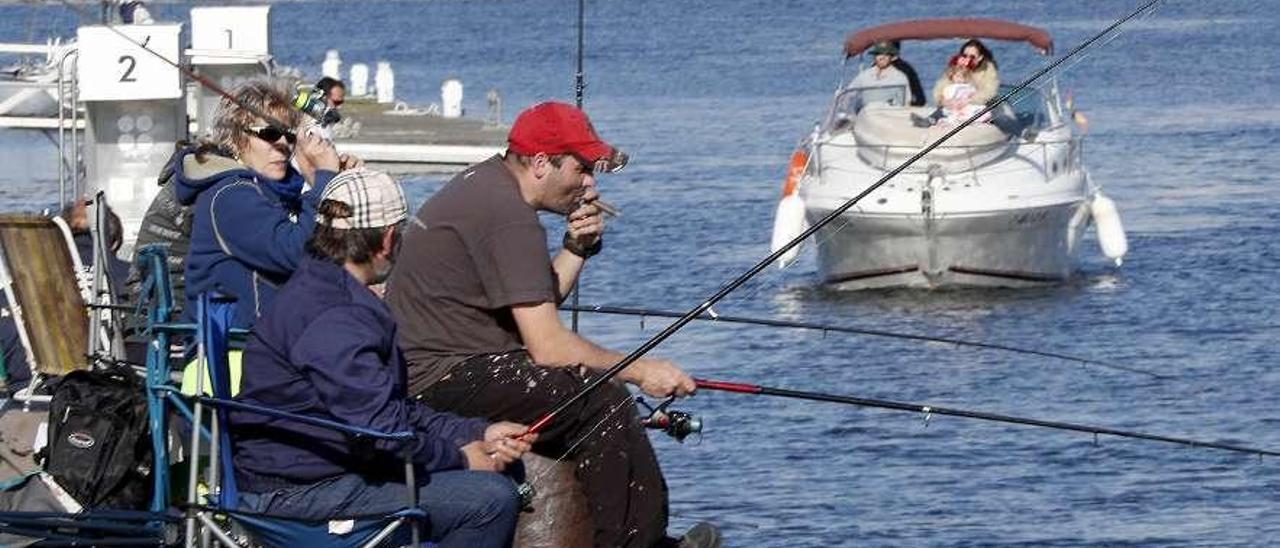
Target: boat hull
{"x":1004,"y":248}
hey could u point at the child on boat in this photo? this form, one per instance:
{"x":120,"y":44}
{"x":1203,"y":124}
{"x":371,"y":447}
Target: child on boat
{"x":958,"y":102}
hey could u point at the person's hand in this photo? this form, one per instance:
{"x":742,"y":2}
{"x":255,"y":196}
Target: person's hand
{"x":349,"y":161}
{"x":661,"y":378}
{"x":313,"y":153}
{"x":586,"y":224}
{"x":503,"y":444}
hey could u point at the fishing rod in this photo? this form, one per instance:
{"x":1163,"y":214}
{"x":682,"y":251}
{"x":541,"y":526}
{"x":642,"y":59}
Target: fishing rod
{"x":825,"y":328}
{"x":270,"y":120}
{"x":928,"y":410}
{"x":579,"y":87}
{"x":607,"y":375}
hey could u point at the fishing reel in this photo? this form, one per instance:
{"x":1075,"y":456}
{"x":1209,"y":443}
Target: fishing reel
{"x":677,"y":424}
{"x":313,"y":103}
{"x":526,"y":492}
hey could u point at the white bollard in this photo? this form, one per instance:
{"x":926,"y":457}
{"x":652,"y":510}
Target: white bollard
{"x":451,"y":98}
{"x":385,"y":81}
{"x":359,"y":80}
{"x":332,"y":65}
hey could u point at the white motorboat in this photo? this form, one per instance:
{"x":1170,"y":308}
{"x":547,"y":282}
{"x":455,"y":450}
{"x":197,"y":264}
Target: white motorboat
{"x":1003,"y":203}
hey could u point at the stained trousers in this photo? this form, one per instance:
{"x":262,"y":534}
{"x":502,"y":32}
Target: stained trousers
{"x":601,"y":433}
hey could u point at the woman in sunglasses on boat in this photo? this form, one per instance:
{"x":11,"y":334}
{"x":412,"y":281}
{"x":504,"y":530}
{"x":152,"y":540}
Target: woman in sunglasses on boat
{"x":251,"y":216}
{"x":982,"y":72}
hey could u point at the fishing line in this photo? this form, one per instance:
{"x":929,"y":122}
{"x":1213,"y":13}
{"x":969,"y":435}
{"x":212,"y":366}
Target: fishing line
{"x":825,"y":328}
{"x":614,"y":408}
{"x":689,"y":316}
{"x":929,"y":410}
{"x":270,"y":120}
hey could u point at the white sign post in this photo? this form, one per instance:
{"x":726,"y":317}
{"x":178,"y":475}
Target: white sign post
{"x":229,"y":45}
{"x":135,"y":111}
{"x":244,"y":30}
{"x":115,"y":68}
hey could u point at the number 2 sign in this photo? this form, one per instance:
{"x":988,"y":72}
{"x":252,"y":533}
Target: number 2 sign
{"x":114,"y":68}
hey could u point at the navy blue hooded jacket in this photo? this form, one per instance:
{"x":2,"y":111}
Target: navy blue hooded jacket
{"x":326,"y":347}
{"x":248,"y":231}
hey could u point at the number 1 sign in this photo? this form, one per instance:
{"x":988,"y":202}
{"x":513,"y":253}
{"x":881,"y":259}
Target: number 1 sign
{"x":112,"y":68}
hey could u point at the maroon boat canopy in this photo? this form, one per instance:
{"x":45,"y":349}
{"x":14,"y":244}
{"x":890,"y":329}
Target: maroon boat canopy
{"x":933,"y":29}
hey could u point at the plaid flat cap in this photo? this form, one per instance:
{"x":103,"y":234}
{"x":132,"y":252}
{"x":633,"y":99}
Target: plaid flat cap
{"x":375,"y":198}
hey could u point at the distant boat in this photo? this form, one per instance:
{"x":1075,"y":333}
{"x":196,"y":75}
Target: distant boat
{"x":1001,"y":204}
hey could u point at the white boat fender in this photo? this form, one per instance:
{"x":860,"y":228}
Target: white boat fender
{"x":789,"y":219}
{"x":1111,"y":235}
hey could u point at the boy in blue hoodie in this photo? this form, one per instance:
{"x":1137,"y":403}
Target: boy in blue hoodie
{"x":327,"y":348}
{"x":250,"y":214}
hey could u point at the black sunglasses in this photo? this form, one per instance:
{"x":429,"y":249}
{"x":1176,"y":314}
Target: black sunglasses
{"x":272,"y":134}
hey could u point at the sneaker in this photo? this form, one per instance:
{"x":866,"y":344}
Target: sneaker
{"x":920,"y":121}
{"x":701,"y":535}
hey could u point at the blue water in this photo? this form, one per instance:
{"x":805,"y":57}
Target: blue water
{"x":711,"y":97}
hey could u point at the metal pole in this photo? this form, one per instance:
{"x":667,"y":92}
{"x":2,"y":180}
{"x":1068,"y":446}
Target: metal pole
{"x":75,"y":142}
{"x":412,"y":484}
{"x":196,"y":420}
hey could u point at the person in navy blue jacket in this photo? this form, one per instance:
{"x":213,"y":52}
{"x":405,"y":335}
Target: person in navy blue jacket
{"x":326,"y":347}
{"x":250,"y":214}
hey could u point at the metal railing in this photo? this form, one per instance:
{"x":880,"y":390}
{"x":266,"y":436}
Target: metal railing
{"x":62,"y":126}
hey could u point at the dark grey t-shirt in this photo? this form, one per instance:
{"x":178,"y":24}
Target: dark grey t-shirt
{"x":471,"y":252}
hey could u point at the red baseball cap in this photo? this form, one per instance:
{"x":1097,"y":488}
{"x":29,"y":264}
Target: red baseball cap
{"x":558,"y":128}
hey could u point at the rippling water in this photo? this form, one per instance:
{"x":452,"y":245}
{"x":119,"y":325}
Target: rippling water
{"x":710,"y":97}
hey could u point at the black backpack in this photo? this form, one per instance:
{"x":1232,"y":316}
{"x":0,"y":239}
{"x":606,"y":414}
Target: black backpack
{"x":99,"y":441}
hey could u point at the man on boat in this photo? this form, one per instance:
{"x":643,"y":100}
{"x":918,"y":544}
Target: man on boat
{"x":326,"y":347}
{"x":476,"y":296}
{"x":886,"y":72}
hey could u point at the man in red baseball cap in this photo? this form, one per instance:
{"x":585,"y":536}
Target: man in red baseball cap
{"x":475,"y":295}
{"x":557,"y":128}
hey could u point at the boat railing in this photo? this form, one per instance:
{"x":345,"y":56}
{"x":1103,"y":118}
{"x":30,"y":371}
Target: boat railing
{"x":1042,"y":154}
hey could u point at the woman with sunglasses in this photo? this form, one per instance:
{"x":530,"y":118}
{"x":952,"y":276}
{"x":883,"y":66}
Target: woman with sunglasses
{"x":982,"y":73}
{"x":250,"y":214}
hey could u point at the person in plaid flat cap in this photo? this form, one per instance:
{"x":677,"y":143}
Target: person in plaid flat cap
{"x":476,"y":299}
{"x":326,"y":347}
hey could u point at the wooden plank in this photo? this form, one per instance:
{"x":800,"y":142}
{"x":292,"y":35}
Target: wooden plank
{"x":44,"y":285}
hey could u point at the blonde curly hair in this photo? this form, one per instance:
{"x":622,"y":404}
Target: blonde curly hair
{"x":267,"y":96}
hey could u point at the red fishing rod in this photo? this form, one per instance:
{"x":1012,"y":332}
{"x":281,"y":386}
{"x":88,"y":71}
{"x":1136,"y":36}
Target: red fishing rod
{"x":691,"y":315}
{"x":929,"y":410}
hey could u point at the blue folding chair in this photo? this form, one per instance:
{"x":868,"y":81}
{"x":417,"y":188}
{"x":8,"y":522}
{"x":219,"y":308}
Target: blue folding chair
{"x":220,"y":517}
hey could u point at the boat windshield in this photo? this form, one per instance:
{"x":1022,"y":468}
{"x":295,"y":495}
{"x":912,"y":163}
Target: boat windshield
{"x":850,"y":101}
{"x":1030,"y":108}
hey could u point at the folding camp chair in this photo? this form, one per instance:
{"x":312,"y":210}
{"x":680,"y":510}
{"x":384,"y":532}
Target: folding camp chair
{"x":54,"y":309}
{"x":38,"y":275}
{"x":219,"y":515}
